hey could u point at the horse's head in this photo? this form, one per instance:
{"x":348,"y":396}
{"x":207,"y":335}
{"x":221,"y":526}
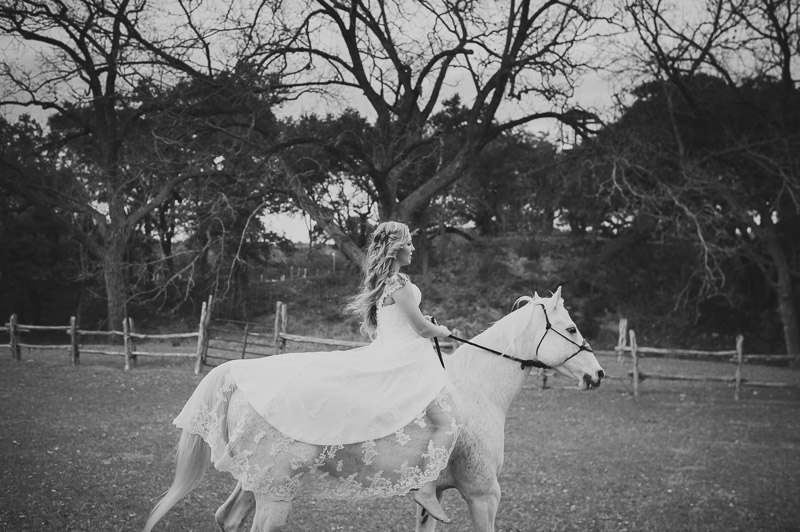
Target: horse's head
{"x":560,"y":345}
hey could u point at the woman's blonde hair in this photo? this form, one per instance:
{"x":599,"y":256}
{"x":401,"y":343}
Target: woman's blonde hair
{"x":387,"y":239}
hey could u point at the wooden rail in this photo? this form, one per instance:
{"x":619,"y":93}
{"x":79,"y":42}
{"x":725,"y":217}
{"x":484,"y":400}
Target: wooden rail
{"x":626,"y":346}
{"x":736,"y":356}
{"x":129,"y":337}
{"x":322,"y":341}
{"x":247,"y":342}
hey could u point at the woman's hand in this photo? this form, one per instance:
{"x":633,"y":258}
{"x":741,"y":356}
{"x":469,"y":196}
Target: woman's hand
{"x":444,"y":332}
{"x":441,"y":330}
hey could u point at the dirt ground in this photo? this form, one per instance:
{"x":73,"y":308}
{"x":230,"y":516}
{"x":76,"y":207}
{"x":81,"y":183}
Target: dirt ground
{"x":90,"y":448}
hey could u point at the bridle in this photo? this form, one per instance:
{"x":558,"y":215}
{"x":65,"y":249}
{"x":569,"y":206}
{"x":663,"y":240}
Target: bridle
{"x":535,"y":363}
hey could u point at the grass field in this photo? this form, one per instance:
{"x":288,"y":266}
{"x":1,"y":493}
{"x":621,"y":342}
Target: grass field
{"x":90,"y":448}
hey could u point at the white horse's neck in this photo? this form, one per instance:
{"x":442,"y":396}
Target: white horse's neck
{"x":475,"y":371}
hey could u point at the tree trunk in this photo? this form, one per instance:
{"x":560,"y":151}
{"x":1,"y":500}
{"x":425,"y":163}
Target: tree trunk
{"x":425,"y":256}
{"x":322,"y":216}
{"x":415,"y":202}
{"x":785,"y":292}
{"x":114,"y":275}
{"x":166,"y":231}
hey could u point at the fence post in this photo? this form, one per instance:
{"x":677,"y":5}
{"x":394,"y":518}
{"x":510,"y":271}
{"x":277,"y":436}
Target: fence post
{"x":244,"y":343}
{"x":132,"y":342}
{"x":206,"y":324}
{"x":276,"y":335}
{"x":635,"y":357}
{"x":739,"y":358}
{"x":13,"y":338}
{"x":284,"y":324}
{"x":127,"y":341}
{"x":74,"y":354}
{"x":622,"y":340}
{"x":201,"y":339}
{"x":280,"y":326}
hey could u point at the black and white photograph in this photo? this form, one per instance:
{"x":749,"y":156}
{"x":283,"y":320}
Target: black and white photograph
{"x":399,"y":265}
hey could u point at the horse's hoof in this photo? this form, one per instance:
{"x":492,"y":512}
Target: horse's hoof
{"x":431,"y":505}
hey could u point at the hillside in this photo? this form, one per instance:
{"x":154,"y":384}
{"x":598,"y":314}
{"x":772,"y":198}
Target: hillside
{"x":469,"y":285}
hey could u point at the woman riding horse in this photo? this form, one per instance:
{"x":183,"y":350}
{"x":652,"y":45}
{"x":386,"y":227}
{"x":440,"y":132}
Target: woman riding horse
{"x":358,"y":396}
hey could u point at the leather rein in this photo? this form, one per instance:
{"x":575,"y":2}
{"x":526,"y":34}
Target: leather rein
{"x":525,"y":364}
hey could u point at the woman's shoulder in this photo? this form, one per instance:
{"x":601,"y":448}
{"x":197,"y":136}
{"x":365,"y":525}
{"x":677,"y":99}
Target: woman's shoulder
{"x":395,"y":282}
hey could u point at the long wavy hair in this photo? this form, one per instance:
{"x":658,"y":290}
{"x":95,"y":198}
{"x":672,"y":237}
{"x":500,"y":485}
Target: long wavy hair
{"x":387,"y":239}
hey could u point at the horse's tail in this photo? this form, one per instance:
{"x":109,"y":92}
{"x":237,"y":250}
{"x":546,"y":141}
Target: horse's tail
{"x":193,"y":459}
{"x":193,"y":454}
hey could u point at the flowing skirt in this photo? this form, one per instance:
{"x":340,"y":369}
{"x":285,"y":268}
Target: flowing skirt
{"x":345,"y":424}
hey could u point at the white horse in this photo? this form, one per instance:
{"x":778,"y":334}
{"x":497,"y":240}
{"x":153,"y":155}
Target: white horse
{"x":486,"y":383}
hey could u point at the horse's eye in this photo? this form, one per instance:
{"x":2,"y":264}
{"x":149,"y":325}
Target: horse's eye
{"x":572,"y":330}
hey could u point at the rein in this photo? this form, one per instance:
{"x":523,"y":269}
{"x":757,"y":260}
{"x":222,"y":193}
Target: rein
{"x":536,"y":363}
{"x":436,"y":343}
{"x":524,"y":363}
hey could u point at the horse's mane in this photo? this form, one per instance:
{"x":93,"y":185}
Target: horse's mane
{"x":527,"y":300}
{"x":522,"y":301}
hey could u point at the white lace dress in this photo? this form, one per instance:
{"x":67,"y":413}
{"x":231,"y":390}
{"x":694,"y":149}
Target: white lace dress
{"x":347,"y":423}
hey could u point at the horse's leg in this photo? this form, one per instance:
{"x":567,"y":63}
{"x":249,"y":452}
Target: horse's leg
{"x":483,"y":508}
{"x":426,"y":523}
{"x":270,"y":515}
{"x":231,"y":515}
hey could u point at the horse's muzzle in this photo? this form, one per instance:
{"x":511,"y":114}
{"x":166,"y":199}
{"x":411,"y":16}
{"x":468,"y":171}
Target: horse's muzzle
{"x":591,"y":382}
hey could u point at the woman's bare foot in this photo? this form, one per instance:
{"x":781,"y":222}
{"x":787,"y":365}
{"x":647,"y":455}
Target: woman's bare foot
{"x":430,"y":503}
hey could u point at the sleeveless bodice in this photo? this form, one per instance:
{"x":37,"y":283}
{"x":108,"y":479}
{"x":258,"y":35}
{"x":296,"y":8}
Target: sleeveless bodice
{"x":393,"y":325}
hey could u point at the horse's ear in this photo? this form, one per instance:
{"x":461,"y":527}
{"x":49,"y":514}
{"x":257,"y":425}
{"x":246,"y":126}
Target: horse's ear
{"x":556,"y":299}
{"x":536,"y":295}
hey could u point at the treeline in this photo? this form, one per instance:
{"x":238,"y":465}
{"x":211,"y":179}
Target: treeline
{"x":170,"y":133}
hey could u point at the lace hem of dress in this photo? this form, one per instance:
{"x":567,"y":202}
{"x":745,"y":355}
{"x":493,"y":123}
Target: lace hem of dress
{"x":266,"y":461}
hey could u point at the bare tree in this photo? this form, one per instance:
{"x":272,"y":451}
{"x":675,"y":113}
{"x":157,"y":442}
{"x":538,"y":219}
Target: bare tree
{"x":80,"y":63}
{"x":748,"y":160}
{"x":515,"y":62}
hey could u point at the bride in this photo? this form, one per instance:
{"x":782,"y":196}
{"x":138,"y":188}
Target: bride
{"x":345,"y":400}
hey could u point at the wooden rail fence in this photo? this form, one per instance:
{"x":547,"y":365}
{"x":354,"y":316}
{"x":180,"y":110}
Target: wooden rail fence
{"x":257,"y":344}
{"x":627,"y":346}
{"x":297,"y":272}
{"x":129,"y":337}
{"x":226,"y":344}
